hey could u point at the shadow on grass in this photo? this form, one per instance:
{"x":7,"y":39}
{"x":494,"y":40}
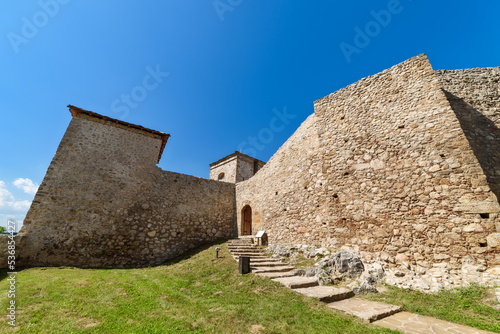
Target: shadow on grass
{"x":192,"y":252}
{"x":3,"y":274}
{"x":186,"y":255}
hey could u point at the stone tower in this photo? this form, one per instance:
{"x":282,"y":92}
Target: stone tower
{"x":105,"y":203}
{"x":235,"y":168}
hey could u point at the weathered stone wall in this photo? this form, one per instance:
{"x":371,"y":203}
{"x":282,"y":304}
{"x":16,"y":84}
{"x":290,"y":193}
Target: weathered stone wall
{"x":236,"y":167}
{"x":383,"y":166}
{"x":4,"y":250}
{"x":282,"y":194}
{"x":247,"y":167}
{"x":402,"y":166}
{"x":474,"y":95}
{"x":227,"y":167}
{"x":103,"y":202}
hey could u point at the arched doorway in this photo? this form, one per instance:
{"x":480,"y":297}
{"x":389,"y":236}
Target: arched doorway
{"x":246,"y":220}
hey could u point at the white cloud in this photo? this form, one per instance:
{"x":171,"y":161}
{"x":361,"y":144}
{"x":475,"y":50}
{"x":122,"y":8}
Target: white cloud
{"x":5,"y":195}
{"x":26,"y":185}
{"x":9,"y":203}
{"x":20,"y":205}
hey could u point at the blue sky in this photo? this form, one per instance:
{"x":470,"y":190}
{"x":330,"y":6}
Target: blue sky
{"x":219,"y":76}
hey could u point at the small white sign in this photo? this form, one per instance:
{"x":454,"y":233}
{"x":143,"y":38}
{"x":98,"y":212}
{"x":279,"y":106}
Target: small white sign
{"x":260,"y":234}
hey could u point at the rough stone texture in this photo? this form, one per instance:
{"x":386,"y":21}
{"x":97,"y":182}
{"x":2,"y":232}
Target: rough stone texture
{"x":367,"y":285}
{"x":418,"y":324}
{"x":474,"y":95}
{"x":321,"y":275}
{"x":326,"y":294}
{"x":275,"y":269}
{"x":348,"y":263}
{"x":277,"y":193}
{"x":292,"y":251}
{"x":4,"y":255}
{"x":225,"y":171}
{"x":104,"y":203}
{"x":401,"y":167}
{"x":295,"y":282}
{"x":385,"y":168}
{"x":367,"y":310}
{"x":277,"y":275}
{"x":235,"y":168}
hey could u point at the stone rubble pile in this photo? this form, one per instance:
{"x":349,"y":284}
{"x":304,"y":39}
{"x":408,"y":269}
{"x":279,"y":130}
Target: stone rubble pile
{"x":292,"y":251}
{"x":421,"y":275}
{"x":363,"y":273}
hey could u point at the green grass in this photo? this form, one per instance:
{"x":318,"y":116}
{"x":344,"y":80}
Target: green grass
{"x":469,"y":306}
{"x":193,"y":294}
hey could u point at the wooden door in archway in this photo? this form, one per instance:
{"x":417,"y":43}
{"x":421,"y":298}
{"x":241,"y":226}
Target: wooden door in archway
{"x":247,"y":220}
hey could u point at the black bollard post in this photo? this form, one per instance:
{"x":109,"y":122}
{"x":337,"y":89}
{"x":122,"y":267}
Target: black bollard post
{"x":244,"y":265}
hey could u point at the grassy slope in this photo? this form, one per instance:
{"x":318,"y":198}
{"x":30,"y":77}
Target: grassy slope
{"x":196,"y":293}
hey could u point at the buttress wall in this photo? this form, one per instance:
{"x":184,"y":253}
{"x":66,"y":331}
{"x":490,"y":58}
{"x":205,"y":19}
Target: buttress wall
{"x":382,"y":166}
{"x":474,"y":95}
{"x":104,"y":203}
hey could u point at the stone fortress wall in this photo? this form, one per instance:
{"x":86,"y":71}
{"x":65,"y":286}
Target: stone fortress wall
{"x":104,"y":203}
{"x":474,"y":95}
{"x":402,"y":166}
{"x":383,"y":166}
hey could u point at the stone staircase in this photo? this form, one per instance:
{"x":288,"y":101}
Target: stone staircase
{"x":262,"y":265}
{"x":341,"y":299}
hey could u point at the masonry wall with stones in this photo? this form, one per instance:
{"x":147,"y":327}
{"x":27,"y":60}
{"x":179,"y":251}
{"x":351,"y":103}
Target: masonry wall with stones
{"x":382,"y":166}
{"x":235,"y":168}
{"x":225,"y":170}
{"x":474,"y":95}
{"x":247,"y":167}
{"x":105,"y":203}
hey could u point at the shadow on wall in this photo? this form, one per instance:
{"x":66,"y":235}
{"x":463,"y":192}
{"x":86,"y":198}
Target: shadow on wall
{"x":483,"y":136}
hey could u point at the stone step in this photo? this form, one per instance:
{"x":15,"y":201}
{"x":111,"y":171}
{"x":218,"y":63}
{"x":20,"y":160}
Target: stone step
{"x":232,"y":249}
{"x":257,"y":269}
{"x":263,"y":259}
{"x":407,"y":322}
{"x":243,"y":245}
{"x":278,"y":274}
{"x":326,"y":294}
{"x":247,"y":254}
{"x":268,"y":264}
{"x":240,"y":242}
{"x":295,"y":282}
{"x":245,"y":251}
{"x":254,"y":261}
{"x":367,"y":310}
{"x":259,"y":258}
